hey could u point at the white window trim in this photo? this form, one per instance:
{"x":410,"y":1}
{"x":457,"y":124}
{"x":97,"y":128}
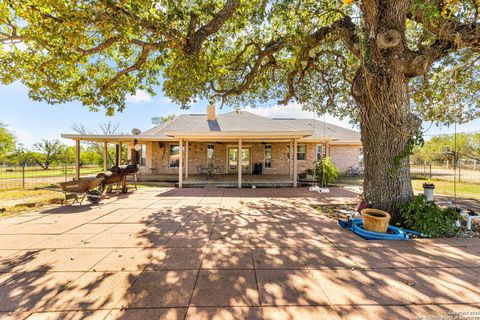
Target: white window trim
{"x":144,"y":148}
{"x":322,"y":153}
{"x":306,"y":150}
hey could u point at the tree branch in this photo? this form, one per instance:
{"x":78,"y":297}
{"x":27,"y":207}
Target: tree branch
{"x":195,"y":40}
{"x":136,"y":66}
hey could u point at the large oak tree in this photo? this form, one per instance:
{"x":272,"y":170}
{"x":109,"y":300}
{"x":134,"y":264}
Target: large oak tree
{"x":388,"y":64}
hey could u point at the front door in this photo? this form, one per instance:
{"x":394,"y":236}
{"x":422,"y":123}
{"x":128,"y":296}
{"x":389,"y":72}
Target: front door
{"x":233,"y":162}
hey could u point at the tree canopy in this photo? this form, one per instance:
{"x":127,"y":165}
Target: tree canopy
{"x":238,"y":51}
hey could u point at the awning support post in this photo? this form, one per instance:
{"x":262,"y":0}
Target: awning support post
{"x":186,"y":159}
{"x":180,"y":165}
{"x":77,"y":159}
{"x":290,"y":159}
{"x":239,"y":163}
{"x":295,"y":174}
{"x":105,"y":156}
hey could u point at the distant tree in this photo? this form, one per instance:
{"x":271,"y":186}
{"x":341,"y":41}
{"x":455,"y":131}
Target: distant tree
{"x":7,"y":141}
{"x":466,"y":145}
{"x":47,"y":152}
{"x":159,"y":120}
{"x":472,"y":149}
{"x":107,"y":128}
{"x":21,"y":156}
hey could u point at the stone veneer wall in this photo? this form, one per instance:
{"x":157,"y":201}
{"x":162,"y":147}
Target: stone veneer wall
{"x":158,"y":154}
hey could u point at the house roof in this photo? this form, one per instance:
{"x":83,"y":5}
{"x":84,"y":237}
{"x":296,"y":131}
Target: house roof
{"x":323,"y":130}
{"x":239,"y":124}
{"x":235,"y":121}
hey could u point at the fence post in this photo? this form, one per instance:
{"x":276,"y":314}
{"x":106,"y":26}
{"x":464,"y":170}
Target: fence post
{"x":66,"y":173}
{"x":23,"y":176}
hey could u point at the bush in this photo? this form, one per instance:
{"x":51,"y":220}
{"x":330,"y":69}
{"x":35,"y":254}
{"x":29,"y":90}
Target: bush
{"x":325,"y":169}
{"x":428,"y":218}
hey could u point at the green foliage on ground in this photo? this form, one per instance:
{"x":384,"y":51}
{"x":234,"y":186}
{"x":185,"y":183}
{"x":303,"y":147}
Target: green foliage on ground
{"x":326,"y":171}
{"x":428,"y":218}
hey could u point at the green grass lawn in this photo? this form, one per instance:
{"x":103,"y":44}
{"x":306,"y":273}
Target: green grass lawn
{"x":464,"y":190}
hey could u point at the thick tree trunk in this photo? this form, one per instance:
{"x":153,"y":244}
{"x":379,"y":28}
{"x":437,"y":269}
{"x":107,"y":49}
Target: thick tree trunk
{"x":386,"y":126}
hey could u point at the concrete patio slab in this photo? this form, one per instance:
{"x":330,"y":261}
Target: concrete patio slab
{"x":160,"y":253}
{"x":158,"y":289}
{"x":225,"y":288}
{"x":289,"y":287}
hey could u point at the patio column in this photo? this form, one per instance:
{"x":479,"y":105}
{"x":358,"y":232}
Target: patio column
{"x":186,"y":159}
{"x":290,"y":160}
{"x":239,"y":163}
{"x":180,"y":164}
{"x":105,"y":156}
{"x":120,"y":153}
{"x":77,"y":159}
{"x":295,"y":175}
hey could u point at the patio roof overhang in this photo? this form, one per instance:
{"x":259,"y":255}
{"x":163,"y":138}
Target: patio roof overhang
{"x":201,"y":136}
{"x":115,"y":138}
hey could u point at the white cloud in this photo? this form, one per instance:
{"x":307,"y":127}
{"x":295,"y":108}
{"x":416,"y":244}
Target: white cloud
{"x":294,"y":110}
{"x":139,"y":96}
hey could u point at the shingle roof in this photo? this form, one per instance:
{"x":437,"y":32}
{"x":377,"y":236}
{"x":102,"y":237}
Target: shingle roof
{"x":243,"y":121}
{"x":322,"y":129}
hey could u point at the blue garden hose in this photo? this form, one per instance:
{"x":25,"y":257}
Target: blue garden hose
{"x":356,"y":226}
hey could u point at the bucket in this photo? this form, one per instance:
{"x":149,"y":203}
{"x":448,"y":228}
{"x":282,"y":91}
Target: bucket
{"x":375,"y":220}
{"x":428,"y":191}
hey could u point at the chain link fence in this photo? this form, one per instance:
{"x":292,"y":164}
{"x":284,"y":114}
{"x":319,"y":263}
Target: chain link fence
{"x":29,"y":177}
{"x":464,"y":171}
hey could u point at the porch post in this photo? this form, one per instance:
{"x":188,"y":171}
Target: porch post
{"x":186,"y":159}
{"x":120,"y":153}
{"x":116,"y":154}
{"x":180,"y":165}
{"x":105,"y":157}
{"x":295,"y":163}
{"x":77,"y":159}
{"x":239,"y":163}
{"x":290,"y":160}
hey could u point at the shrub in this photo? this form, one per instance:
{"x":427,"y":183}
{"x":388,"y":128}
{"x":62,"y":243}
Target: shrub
{"x":325,"y":169}
{"x":428,"y":218}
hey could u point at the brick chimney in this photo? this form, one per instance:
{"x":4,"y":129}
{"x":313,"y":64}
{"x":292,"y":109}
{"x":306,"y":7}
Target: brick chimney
{"x":211,"y":116}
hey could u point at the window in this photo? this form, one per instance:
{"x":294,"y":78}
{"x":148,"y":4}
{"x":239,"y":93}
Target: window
{"x":174,"y":156}
{"x":319,"y":152}
{"x":301,"y":152}
{"x":210,"y":155}
{"x":268,"y":156}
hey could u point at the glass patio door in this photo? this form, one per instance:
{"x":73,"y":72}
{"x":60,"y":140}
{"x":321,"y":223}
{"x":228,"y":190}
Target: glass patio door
{"x":233,"y":156}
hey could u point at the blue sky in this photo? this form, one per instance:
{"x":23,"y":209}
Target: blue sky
{"x":32,"y":121}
